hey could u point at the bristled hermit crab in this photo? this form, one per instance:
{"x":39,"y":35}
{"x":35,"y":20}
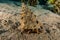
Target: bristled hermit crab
{"x":28,"y":21}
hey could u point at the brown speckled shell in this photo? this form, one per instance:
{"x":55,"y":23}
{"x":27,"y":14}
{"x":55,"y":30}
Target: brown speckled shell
{"x":28,"y":20}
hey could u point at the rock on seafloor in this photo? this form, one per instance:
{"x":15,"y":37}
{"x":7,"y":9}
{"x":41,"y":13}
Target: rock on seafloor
{"x":10,"y":21}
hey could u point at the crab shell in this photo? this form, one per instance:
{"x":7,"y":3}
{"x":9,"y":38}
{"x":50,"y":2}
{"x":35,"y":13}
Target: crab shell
{"x":28,"y":20}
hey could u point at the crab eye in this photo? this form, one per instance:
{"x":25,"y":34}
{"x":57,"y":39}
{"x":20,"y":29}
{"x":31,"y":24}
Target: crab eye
{"x":21,"y":17}
{"x":37,"y":22}
{"x":41,"y":27}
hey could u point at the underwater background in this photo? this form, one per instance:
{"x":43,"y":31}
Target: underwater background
{"x":46,"y":12}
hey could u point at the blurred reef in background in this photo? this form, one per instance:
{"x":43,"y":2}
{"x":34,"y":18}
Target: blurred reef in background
{"x":52,"y":5}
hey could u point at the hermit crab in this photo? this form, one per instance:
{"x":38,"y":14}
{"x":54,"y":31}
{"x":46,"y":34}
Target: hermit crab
{"x":28,"y":21}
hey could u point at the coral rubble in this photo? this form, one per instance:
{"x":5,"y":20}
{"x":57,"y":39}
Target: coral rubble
{"x":30,"y":2}
{"x":56,"y":5}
